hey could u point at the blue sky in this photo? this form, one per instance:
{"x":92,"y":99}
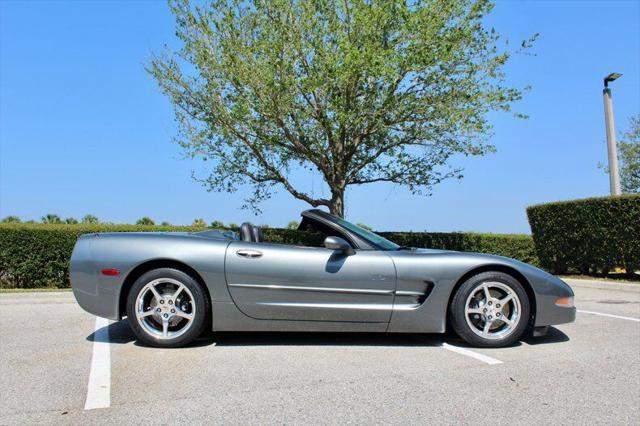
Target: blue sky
{"x":84,"y":129}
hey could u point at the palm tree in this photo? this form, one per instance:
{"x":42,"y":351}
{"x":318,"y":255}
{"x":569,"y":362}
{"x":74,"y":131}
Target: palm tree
{"x":11,"y":219}
{"x":51,"y":218}
{"x":89,"y":218}
{"x":200,"y":223}
{"x":145,"y":221}
{"x":217,"y":224}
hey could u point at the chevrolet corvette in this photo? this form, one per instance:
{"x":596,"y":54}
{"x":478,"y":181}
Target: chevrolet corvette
{"x":173,"y":285}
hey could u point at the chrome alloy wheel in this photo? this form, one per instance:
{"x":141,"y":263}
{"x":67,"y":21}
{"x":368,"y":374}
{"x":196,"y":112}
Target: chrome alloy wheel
{"x":165,"y":308}
{"x":493,"y":310}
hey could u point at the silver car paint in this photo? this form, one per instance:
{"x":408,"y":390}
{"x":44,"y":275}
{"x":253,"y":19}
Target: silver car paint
{"x":291,"y":288}
{"x":308,"y":283}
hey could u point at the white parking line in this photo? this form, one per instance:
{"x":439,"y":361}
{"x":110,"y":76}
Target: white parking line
{"x":472,"y":354}
{"x":609,"y":315}
{"x":99,"y":389}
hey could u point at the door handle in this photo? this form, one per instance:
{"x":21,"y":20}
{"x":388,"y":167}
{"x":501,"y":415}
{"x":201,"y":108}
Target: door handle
{"x":249,"y":254}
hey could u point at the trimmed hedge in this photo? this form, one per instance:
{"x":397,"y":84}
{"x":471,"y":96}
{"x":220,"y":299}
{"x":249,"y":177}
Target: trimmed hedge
{"x":516,"y":246}
{"x":588,"y":236}
{"x":37,"y":255}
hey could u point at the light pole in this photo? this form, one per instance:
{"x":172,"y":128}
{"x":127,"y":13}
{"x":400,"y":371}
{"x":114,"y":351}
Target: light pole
{"x":614,"y":174}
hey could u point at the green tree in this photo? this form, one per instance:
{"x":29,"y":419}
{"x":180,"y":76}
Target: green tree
{"x":51,"y":218}
{"x":199,"y":223}
{"x":629,"y":155}
{"x":292,"y":224}
{"x":11,"y":219}
{"x":71,"y":221}
{"x":165,"y":223}
{"x":145,"y":221}
{"x":356,"y":91}
{"x":216,"y":224}
{"x":89,"y":218}
{"x":233,"y":226}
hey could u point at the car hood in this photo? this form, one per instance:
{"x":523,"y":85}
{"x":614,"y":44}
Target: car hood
{"x":539,"y":278}
{"x":430,"y":251}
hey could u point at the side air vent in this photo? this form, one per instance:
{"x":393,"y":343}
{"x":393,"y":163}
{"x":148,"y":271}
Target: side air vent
{"x":414,"y":297}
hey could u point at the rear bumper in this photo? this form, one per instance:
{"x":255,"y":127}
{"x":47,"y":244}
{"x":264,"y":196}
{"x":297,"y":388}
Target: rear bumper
{"x":92,"y":293}
{"x":100,"y":303}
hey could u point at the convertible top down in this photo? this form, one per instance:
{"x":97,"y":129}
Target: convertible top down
{"x":172,"y":285}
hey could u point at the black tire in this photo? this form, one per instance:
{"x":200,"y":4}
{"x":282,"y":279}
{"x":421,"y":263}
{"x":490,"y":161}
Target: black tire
{"x":200,"y":304}
{"x":464,"y":329}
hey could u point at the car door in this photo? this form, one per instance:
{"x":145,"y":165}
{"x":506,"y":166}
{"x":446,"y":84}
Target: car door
{"x":280,"y":282}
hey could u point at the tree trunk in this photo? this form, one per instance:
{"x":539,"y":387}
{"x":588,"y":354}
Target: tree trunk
{"x":337,"y":202}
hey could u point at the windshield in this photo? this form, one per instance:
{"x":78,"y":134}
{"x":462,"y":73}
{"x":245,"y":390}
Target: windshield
{"x":376,"y":239}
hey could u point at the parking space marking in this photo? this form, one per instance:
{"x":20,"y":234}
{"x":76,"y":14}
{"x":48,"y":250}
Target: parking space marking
{"x":99,"y":388}
{"x":608,"y":315}
{"x":472,"y":354}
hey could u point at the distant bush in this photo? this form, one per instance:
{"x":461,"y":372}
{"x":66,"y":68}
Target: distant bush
{"x":589,"y":236}
{"x":37,"y":255}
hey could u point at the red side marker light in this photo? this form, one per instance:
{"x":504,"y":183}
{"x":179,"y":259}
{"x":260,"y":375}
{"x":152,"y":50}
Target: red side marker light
{"x":110,"y":272}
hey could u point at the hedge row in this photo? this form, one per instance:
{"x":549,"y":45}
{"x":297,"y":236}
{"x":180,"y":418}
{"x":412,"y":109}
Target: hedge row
{"x":516,"y":246}
{"x":593,"y":235}
{"x":37,"y":255}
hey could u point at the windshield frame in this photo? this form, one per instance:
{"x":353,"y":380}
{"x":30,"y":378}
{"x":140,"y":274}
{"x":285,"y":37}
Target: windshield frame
{"x":370,"y":237}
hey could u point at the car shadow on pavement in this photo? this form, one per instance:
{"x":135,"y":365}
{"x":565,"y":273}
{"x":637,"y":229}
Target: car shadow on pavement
{"x":324,"y":339}
{"x":554,"y":335}
{"x":120,"y":333}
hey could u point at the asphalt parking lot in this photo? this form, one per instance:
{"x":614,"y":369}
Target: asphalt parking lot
{"x":587,"y":372}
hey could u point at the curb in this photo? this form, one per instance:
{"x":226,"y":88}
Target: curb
{"x":603,"y":285}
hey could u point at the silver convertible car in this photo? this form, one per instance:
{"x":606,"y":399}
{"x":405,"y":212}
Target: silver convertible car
{"x":173,"y":285}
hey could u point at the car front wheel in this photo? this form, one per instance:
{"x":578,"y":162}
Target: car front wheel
{"x":167,"y":308}
{"x":490,"y":309}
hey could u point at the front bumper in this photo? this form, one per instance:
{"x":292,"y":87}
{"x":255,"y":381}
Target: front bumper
{"x":549,"y":289}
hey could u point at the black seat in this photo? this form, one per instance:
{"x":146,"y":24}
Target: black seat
{"x":246,"y":232}
{"x":257,"y":234}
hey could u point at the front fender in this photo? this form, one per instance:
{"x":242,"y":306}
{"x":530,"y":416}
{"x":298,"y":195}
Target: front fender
{"x":445,"y":270}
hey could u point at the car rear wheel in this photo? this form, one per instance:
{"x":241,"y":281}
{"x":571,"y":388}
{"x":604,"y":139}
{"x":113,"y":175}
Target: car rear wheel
{"x":490,"y":310}
{"x":167,"y":308}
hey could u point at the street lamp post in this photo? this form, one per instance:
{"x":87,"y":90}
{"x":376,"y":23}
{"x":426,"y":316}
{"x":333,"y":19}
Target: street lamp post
{"x":614,"y":174}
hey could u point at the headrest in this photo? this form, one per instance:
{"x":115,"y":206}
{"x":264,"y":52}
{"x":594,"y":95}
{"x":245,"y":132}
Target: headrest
{"x":257,"y":234}
{"x":246,"y":232}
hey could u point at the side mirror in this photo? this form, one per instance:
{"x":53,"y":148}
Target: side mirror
{"x":337,"y":243}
